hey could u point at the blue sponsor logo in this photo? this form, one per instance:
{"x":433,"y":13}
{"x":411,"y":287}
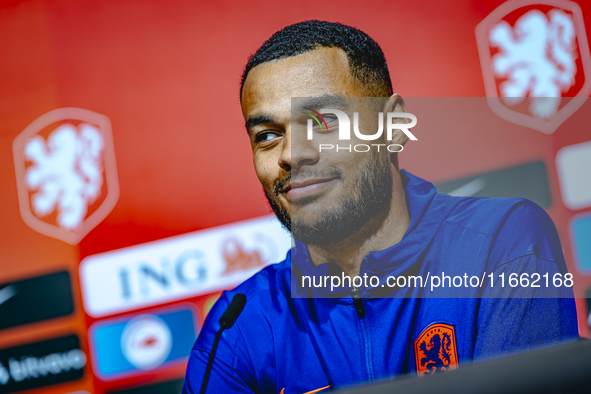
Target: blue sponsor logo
{"x":143,"y":342}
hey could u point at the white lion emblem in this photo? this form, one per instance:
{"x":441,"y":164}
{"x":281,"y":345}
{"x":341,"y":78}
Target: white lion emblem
{"x":67,"y":172}
{"x":537,"y":58}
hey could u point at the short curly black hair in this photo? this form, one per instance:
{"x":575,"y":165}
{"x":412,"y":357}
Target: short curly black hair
{"x":366,"y":60}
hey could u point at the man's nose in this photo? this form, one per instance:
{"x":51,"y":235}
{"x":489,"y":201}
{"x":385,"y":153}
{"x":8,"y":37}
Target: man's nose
{"x":297,"y":150}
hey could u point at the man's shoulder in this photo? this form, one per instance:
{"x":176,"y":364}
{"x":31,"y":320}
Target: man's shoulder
{"x":266,"y":294}
{"x":488,"y":216}
{"x":515,"y":227}
{"x":273,"y":278}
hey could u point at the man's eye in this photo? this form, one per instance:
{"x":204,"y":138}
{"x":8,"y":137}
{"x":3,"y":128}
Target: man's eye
{"x":332,"y":122}
{"x":266,"y":136}
{"x":330,"y":118}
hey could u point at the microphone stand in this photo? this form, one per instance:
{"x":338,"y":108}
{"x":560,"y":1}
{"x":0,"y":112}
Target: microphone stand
{"x":226,"y":321}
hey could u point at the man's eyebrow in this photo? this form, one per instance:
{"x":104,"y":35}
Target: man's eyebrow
{"x":322,"y":102}
{"x":257,"y":120}
{"x":308,"y":102}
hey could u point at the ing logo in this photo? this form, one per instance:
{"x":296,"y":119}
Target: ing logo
{"x":66,"y":173}
{"x":237,"y":258}
{"x":535,"y":62}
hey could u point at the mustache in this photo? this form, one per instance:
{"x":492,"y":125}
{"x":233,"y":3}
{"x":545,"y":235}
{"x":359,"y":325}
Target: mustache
{"x":280,"y":184}
{"x":303,"y":175}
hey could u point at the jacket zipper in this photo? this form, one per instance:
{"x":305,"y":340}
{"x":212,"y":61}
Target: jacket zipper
{"x":360,"y":309}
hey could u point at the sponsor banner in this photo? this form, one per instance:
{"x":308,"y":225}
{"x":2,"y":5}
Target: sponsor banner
{"x":35,"y":299}
{"x":580,"y":235}
{"x":171,"y":387}
{"x":527,"y":181}
{"x":180,"y":267}
{"x":573,"y":163}
{"x":123,"y":347}
{"x":42,"y":363}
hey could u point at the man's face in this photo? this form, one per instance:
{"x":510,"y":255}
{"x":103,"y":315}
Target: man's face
{"x":324,"y":196}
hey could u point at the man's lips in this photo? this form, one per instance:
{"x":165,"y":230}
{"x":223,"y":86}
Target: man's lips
{"x":307,"y":188}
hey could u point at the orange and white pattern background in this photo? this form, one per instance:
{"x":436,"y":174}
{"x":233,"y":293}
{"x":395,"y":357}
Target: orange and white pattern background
{"x":172,"y":158}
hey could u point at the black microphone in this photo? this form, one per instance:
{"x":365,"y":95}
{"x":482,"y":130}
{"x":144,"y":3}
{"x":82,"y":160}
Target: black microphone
{"x":233,"y":311}
{"x":226,"y":321}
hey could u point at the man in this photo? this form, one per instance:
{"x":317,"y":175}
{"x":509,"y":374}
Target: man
{"x":358,"y":214}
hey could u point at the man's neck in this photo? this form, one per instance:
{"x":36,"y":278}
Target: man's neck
{"x":378,"y":234}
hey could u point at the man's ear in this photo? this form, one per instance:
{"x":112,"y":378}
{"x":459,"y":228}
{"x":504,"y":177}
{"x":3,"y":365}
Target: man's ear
{"x":395,"y":103}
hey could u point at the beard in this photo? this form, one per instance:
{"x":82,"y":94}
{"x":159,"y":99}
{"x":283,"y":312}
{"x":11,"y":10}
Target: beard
{"x":369,"y":200}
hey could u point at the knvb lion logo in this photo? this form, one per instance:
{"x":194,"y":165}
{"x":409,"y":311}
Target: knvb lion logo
{"x":66,"y":173}
{"x":435,"y":349}
{"x":535,"y":62}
